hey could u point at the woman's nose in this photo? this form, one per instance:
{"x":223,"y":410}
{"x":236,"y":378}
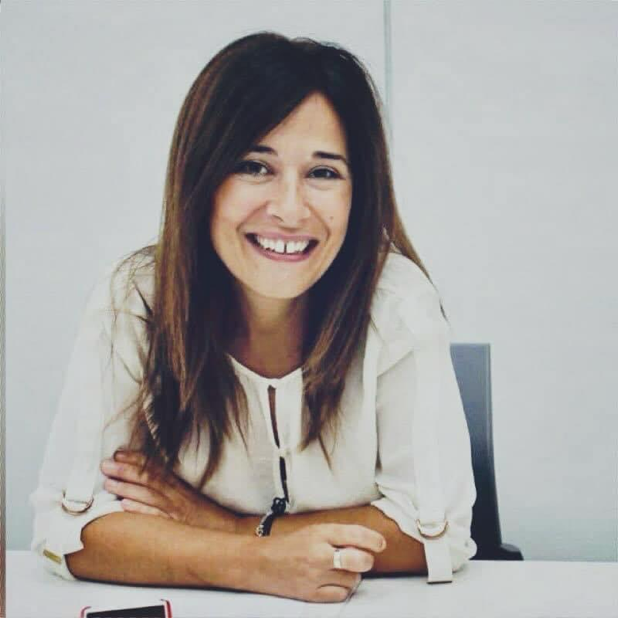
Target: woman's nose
{"x":288,"y":202}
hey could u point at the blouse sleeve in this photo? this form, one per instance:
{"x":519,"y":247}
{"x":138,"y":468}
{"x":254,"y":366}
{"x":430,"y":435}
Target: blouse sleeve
{"x":424,"y":470}
{"x":95,"y":386}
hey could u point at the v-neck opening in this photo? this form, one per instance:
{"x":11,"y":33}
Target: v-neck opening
{"x":260,"y":378}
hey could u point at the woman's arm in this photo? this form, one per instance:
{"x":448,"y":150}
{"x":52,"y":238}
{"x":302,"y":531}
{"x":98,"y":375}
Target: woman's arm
{"x":424,"y":469}
{"x":402,"y":554}
{"x":139,"y":549}
{"x":173,"y":498}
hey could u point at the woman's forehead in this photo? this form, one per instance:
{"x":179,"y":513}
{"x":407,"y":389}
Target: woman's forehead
{"x":314,"y":123}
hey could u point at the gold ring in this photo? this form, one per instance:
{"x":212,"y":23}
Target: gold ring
{"x":436,"y":535}
{"x":75,"y":511}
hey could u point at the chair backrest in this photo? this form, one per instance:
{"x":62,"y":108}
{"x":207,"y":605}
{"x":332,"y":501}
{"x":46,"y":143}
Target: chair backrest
{"x":471,"y":362}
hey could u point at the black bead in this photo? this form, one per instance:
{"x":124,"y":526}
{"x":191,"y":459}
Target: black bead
{"x":278,"y":506}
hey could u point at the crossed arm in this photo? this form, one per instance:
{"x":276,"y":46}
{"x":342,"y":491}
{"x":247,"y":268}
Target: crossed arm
{"x":174,"y":499}
{"x":174,"y":535}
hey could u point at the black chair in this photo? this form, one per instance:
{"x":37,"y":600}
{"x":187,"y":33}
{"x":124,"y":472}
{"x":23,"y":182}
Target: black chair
{"x":472,"y":368}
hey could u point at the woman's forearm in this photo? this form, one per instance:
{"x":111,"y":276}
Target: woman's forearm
{"x":141,"y":549}
{"x":402,"y":554}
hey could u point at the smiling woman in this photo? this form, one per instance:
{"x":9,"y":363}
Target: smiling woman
{"x":275,"y":210}
{"x":276,"y":367}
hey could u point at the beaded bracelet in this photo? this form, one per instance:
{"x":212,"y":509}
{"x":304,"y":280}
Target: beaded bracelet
{"x":277,"y":508}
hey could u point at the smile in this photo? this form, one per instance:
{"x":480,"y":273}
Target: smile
{"x":281,"y":257}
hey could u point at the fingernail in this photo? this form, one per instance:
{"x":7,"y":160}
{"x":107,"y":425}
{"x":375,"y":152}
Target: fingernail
{"x":382,"y":544}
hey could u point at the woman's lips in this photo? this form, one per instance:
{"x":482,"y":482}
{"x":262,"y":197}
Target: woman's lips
{"x":282,"y":257}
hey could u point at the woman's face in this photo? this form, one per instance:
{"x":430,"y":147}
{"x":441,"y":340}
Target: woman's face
{"x":294,"y":183}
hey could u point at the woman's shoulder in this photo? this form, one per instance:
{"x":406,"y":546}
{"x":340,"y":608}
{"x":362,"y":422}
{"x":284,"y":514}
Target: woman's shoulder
{"x":402,"y":276}
{"x":405,"y":310}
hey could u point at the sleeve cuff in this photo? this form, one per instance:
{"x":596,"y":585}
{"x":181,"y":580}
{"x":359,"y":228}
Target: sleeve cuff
{"x":443,"y":555}
{"x":58,"y":533}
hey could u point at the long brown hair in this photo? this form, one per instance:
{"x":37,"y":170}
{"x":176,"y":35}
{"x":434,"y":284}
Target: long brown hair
{"x":188,"y":382}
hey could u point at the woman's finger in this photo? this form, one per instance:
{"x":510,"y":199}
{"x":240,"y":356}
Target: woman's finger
{"x":331,"y":594}
{"x":168,"y":492}
{"x":354,"y":535}
{"x":156,"y":473}
{"x":132,"y":473}
{"x":126,"y":471}
{"x":129,"y":456}
{"x":347,"y":579}
{"x":138,"y":493}
{"x":137,"y":507}
{"x":137,"y":460}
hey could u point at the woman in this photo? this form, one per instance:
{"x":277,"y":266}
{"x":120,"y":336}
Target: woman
{"x":279,"y":375}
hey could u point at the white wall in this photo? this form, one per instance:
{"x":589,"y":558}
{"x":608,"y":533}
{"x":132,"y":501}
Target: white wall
{"x":506,"y":159}
{"x":504,"y":135}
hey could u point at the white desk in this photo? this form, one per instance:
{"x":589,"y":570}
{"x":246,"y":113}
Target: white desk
{"x":481,"y":589}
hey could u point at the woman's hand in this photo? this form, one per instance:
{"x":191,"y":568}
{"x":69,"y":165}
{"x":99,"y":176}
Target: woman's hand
{"x":154,"y":493}
{"x":300,"y":564}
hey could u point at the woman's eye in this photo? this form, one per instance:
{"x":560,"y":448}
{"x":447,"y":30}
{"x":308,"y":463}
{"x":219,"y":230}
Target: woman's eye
{"x":333,"y":174}
{"x":252,"y":168}
{"x":255,"y":168}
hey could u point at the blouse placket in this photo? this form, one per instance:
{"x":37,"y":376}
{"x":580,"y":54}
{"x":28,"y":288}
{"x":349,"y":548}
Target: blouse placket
{"x":286,"y":393}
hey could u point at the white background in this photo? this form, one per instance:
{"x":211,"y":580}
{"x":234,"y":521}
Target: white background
{"x":504,"y":135}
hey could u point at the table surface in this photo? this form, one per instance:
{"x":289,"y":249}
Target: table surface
{"x":529,"y":589}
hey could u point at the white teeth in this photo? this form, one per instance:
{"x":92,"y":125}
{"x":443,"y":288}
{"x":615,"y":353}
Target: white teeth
{"x":281,"y":247}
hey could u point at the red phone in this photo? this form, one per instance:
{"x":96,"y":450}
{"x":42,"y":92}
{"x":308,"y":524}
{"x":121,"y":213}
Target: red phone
{"x":159,"y":609}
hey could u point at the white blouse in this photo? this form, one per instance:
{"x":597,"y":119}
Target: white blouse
{"x":403,"y":444}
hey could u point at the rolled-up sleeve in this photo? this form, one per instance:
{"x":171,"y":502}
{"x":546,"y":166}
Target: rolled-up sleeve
{"x":419,"y":378}
{"x":94,"y":386}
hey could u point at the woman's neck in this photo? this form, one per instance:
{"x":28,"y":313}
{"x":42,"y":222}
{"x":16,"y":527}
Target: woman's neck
{"x":270,"y":341}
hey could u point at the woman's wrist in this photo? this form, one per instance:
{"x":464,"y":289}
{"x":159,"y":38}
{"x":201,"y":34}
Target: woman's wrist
{"x":246,"y":524}
{"x":228,"y":560}
{"x":208,"y":514}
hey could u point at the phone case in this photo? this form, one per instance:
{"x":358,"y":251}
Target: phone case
{"x":160,"y":609}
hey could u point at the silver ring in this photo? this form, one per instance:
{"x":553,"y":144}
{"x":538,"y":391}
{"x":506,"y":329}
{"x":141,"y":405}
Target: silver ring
{"x":337,"y":558}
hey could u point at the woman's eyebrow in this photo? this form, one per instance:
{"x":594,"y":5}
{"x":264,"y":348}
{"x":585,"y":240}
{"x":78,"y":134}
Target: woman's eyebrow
{"x":318,"y":154}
